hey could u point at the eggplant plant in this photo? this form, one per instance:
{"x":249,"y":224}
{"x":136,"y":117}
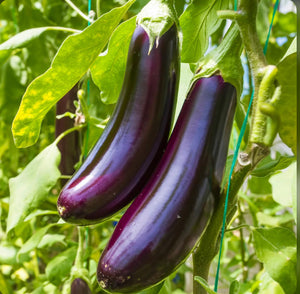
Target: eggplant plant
{"x":165,"y":195}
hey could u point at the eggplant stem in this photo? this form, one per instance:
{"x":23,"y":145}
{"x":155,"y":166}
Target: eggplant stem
{"x":203,"y":254}
{"x":62,"y":135}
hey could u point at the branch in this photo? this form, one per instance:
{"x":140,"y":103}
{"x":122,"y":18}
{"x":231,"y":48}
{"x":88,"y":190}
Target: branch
{"x":204,"y":254}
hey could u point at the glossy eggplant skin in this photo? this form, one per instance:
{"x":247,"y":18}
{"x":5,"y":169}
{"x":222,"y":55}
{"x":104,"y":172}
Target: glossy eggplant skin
{"x":135,"y":138}
{"x":69,"y":146}
{"x":79,"y":286}
{"x":163,"y":224}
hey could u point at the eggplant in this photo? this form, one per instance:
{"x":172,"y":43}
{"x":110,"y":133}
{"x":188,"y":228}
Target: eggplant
{"x":132,"y":143}
{"x":79,"y":286}
{"x":69,"y":146}
{"x":163,"y":224}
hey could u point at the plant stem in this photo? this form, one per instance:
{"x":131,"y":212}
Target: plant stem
{"x":77,"y":128}
{"x":247,"y":25}
{"x":204,"y":254}
{"x":98,"y":8}
{"x":79,"y":256}
{"x":83,"y":15}
{"x":242,"y":245}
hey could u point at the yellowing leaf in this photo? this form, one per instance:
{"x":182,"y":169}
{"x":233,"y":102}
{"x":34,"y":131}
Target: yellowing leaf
{"x":75,"y":56}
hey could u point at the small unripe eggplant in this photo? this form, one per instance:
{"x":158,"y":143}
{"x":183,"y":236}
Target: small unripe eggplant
{"x":69,"y":146}
{"x":79,"y":286}
{"x":163,"y":224}
{"x":133,"y":141}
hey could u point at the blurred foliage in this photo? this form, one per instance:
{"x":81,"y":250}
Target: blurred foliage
{"x":38,"y":253}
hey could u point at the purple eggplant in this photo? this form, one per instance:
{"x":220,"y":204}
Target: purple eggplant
{"x":132,"y":143}
{"x":163,"y":224}
{"x":69,"y":146}
{"x":79,"y":286}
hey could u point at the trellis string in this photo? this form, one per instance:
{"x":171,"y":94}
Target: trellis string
{"x":88,"y":129}
{"x":236,"y":151}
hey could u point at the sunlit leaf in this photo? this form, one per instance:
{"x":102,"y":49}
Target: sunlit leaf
{"x":108,"y":70}
{"x":24,"y":38}
{"x":276,"y":249}
{"x":268,"y":285}
{"x":198,"y":22}
{"x":33,"y":241}
{"x":284,"y":187}
{"x":60,"y":266}
{"x":186,"y":76}
{"x":49,"y":239}
{"x":31,"y":187}
{"x":287,"y":77}
{"x":75,"y":56}
{"x":269,"y":166}
{"x":8,"y":254}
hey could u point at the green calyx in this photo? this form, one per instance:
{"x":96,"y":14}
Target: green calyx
{"x":156,"y":18}
{"x":224,"y":60}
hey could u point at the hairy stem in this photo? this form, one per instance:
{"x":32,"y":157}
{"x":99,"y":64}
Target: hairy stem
{"x":204,"y":254}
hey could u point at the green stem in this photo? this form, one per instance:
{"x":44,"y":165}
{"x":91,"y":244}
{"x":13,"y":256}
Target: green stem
{"x":62,"y":135}
{"x":237,"y":228}
{"x":63,"y":29}
{"x":247,"y":25}
{"x":242,"y":246}
{"x":203,"y":254}
{"x":98,"y":8}
{"x":80,"y":251}
{"x":83,"y":15}
{"x":78,"y":270}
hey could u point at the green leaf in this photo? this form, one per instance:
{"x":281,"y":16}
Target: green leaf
{"x":262,"y":19}
{"x":204,"y":284}
{"x":75,"y":56}
{"x":276,"y":249}
{"x":166,"y":287}
{"x":269,"y":166}
{"x":260,"y":185}
{"x":291,"y":50}
{"x":60,"y":266}
{"x":39,"y":212}
{"x":49,"y":239}
{"x":285,"y":24}
{"x":4,"y":285}
{"x":108,"y":71}
{"x":198,"y":22}
{"x":273,"y":221}
{"x":288,"y":102}
{"x":234,"y":287}
{"x":156,"y":18}
{"x":268,"y":285}
{"x":33,"y":241}
{"x":8,"y":254}
{"x":284,"y":187}
{"x":186,"y":76}
{"x":31,"y":187}
{"x":24,"y":38}
{"x":225,"y":60}
{"x":4,"y":55}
